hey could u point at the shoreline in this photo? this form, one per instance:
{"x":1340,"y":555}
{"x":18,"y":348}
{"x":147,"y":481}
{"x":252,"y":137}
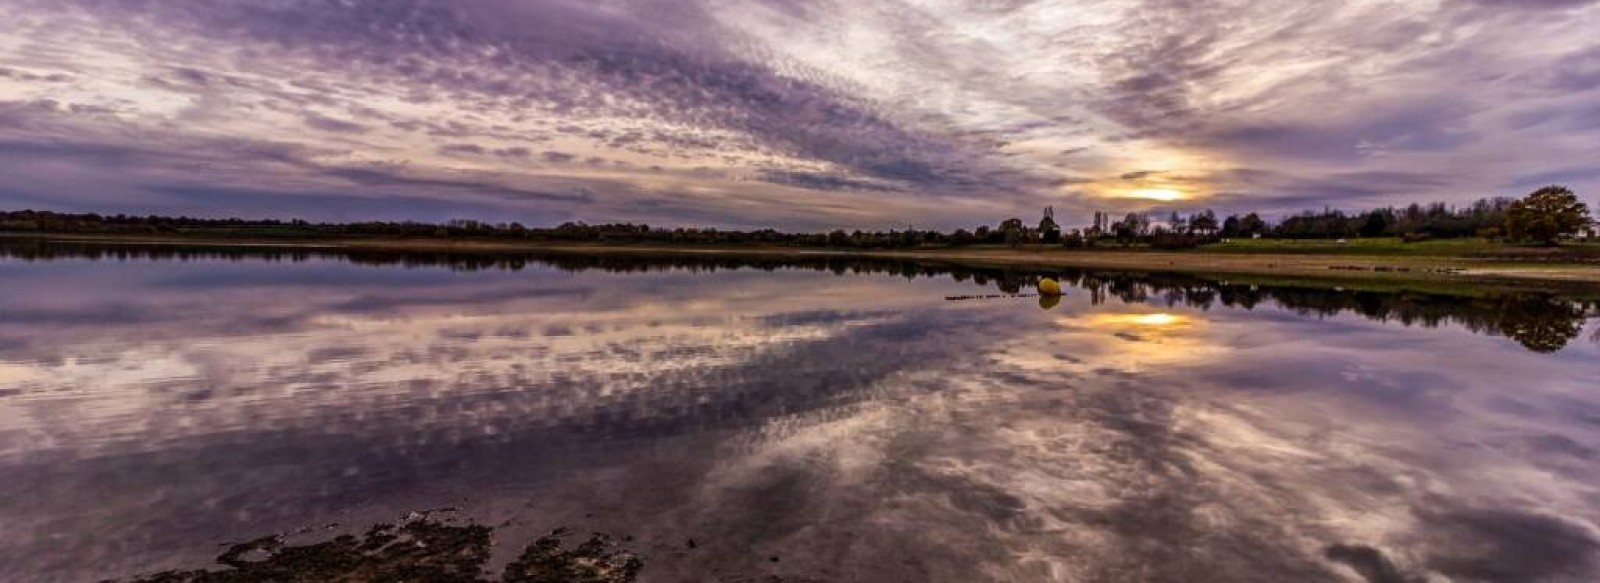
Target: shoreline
{"x":1328,"y":268}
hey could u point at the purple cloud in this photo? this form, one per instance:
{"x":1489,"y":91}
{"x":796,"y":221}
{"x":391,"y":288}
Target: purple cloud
{"x":329,"y":124}
{"x":822,"y":114}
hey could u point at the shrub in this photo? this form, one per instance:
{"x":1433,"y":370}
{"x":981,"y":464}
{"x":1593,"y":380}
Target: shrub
{"x":1174,"y":241}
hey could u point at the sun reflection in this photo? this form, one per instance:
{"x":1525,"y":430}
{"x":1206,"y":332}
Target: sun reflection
{"x":1135,"y":341}
{"x":1154,"y":320}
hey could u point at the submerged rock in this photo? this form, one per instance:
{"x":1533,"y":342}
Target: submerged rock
{"x":417,"y":550}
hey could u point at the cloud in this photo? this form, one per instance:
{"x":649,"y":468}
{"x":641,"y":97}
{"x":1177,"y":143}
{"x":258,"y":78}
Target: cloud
{"x":329,"y":124}
{"x":939,"y":110}
{"x":473,"y":149}
{"x":381,"y":176}
{"x":477,"y":150}
{"x":1577,"y":175}
{"x":26,"y":76}
{"x":557,"y":157}
{"x":821,"y":181}
{"x":1529,"y":5}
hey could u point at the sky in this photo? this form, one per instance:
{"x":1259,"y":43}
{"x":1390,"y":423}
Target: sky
{"x":793,"y":114}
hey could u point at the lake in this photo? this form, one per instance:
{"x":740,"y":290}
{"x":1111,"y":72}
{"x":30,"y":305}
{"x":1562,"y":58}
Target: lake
{"x":810,"y":419}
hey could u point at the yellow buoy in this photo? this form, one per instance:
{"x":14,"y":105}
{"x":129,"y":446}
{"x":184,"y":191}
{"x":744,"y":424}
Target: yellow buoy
{"x":1049,"y":287}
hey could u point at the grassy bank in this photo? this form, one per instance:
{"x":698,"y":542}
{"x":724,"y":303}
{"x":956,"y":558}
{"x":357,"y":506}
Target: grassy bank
{"x":1393,"y":247}
{"x":1453,"y":266}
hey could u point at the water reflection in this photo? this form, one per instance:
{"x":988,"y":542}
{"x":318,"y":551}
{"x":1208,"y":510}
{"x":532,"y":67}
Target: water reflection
{"x":1049,"y":301}
{"x":1540,"y":322}
{"x":856,"y":427}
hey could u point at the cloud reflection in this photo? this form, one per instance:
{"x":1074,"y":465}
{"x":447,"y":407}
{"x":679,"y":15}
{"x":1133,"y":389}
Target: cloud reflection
{"x":855,"y":426}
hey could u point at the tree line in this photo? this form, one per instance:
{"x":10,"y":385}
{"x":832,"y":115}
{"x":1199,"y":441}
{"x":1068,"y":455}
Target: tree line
{"x":1544,"y":216}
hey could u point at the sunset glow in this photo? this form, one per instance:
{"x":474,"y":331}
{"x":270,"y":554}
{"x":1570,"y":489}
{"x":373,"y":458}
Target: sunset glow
{"x":1154,"y":320}
{"x":972,"y":291}
{"x":795,"y":116}
{"x":1160,"y":194}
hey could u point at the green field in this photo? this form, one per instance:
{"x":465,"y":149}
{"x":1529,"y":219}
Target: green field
{"x":1388,"y":246}
{"x":1459,"y":264}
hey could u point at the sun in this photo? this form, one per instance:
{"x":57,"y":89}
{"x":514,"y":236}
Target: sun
{"x":1161,"y":194}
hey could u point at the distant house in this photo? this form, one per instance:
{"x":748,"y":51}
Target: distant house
{"x":1591,"y":232}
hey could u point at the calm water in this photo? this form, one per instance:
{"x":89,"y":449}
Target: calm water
{"x":832,"y":421}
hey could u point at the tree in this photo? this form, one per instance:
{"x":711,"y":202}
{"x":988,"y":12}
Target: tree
{"x":1547,"y":214}
{"x":1013,"y":230}
{"x":1230,"y":227}
{"x":1377,"y":224}
{"x":1126,"y":231}
{"x":1048,"y":229}
{"x":1253,"y":225}
{"x":1138,"y":222}
{"x":1204,"y":223}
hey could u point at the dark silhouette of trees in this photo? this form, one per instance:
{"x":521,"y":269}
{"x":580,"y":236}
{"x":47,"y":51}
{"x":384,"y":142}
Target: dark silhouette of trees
{"x":1232,"y":227}
{"x":1131,"y":228}
{"x":571,"y":232}
{"x":1377,"y":224}
{"x":1546,"y":215}
{"x":1049,"y":231}
{"x":1015,"y":233}
{"x":1252,"y":224}
{"x":1415,"y":222}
